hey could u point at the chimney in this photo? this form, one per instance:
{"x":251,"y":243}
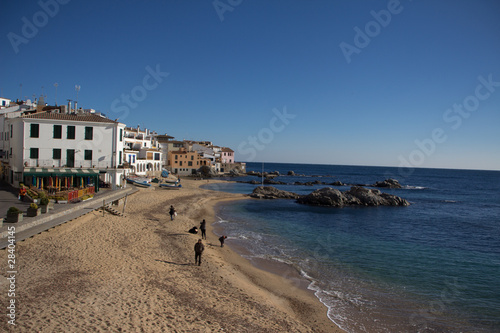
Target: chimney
{"x":69,"y":106}
{"x":76,"y":106}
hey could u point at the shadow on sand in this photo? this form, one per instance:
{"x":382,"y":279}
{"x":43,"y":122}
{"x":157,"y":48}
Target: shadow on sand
{"x":174,"y":263}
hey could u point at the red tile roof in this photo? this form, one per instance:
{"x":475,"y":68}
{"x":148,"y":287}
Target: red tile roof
{"x":69,"y":117}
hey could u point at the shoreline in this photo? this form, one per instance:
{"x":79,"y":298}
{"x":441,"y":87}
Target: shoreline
{"x":137,"y":272}
{"x":279,"y":269}
{"x":278,"y":278}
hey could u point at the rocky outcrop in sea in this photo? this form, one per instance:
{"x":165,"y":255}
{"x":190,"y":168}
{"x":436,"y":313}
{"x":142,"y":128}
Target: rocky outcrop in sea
{"x":269,"y":179}
{"x":270,"y":192}
{"x":356,"y":196}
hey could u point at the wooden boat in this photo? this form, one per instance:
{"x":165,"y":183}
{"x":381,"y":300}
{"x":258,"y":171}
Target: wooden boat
{"x":169,"y":186}
{"x":164,"y":173}
{"x":171,"y":181}
{"x":138,"y":181}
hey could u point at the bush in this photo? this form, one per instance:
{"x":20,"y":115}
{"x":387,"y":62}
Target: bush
{"x":33,"y":206}
{"x":44,"y":201}
{"x":14,"y":210}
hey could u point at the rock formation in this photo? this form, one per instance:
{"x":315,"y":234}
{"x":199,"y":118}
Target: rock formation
{"x":356,"y":196}
{"x":389,"y":183}
{"x":269,"y":192}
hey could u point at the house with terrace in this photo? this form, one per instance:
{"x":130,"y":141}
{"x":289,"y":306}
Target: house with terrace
{"x":142,"y":154}
{"x":57,"y":151}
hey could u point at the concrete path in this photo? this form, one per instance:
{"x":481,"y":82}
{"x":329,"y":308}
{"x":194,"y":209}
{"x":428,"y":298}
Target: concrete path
{"x":61,"y":213}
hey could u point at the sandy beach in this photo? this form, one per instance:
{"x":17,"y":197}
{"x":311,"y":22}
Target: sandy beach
{"x":137,"y":274}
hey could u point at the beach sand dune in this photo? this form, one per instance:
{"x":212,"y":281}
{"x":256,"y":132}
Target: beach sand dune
{"x":137,"y":274}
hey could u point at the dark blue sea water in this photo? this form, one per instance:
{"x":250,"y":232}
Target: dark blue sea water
{"x":431,"y":267}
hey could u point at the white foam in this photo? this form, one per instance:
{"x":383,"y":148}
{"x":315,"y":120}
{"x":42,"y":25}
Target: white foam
{"x":409,"y":187}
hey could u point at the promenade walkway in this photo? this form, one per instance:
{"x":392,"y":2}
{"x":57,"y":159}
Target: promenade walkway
{"x":61,"y":213}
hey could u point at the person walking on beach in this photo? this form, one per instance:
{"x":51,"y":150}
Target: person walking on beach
{"x":172,"y":212}
{"x":203,"y":228}
{"x":198,"y":250}
{"x":221,"y":240}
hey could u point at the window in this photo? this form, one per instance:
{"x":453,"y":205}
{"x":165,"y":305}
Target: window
{"x":89,"y":133}
{"x":157,"y":156}
{"x":120,"y":158}
{"x":133,"y":158}
{"x":56,"y":154}
{"x":11,"y":129}
{"x":70,"y":133}
{"x":121,"y":135}
{"x":176,"y":156}
{"x":180,"y":163}
{"x":33,"y":152}
{"x":192,"y":157}
{"x":35,"y":130}
{"x":70,"y":158}
{"x":190,"y":163}
{"x":88,"y":154}
{"x":57,"y":131}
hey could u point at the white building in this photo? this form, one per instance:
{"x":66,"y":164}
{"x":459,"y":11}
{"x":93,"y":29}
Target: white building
{"x":66,"y":145}
{"x":142,"y":154}
{"x":4,"y":102}
{"x":163,"y":142}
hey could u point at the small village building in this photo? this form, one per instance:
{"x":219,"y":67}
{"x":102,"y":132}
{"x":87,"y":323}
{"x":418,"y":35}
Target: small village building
{"x":227,"y":155}
{"x":58,"y":150}
{"x":183,"y":162}
{"x":163,"y":142}
{"x":142,"y":154}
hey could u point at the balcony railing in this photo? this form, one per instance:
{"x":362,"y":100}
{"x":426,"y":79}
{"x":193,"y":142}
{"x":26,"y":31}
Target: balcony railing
{"x":96,"y":164}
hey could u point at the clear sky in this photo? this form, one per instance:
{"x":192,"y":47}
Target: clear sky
{"x":389,"y":83}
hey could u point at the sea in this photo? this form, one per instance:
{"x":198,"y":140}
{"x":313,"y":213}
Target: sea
{"x":433,"y":266}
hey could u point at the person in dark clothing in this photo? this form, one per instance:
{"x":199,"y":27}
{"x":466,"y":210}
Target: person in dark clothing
{"x":198,"y":250}
{"x":193,"y":230}
{"x":172,"y":213}
{"x":221,"y":240}
{"x":203,"y":226}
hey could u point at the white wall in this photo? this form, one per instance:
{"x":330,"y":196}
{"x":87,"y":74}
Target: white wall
{"x":105,"y":144}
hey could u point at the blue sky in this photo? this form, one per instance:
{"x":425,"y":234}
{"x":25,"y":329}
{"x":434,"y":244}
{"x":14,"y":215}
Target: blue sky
{"x":389,"y":83}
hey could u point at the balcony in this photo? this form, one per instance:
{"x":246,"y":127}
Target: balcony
{"x":88,"y":164}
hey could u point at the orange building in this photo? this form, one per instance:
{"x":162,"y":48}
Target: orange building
{"x":183,"y":162}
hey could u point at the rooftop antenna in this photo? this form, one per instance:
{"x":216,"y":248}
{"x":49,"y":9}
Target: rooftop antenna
{"x":55,"y":85}
{"x":77,"y":88}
